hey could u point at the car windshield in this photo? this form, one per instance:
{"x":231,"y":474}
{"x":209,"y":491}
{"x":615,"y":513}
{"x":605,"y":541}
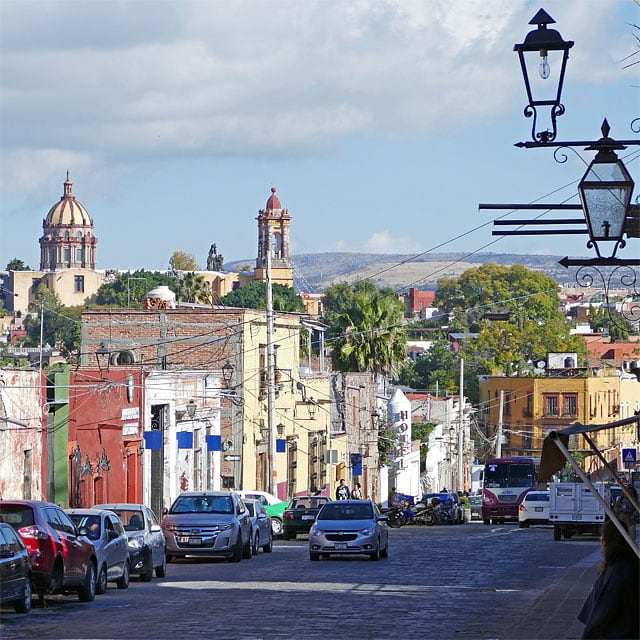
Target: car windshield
{"x":132,"y":519}
{"x":346,"y":512}
{"x":202,"y":504}
{"x":91,"y":523}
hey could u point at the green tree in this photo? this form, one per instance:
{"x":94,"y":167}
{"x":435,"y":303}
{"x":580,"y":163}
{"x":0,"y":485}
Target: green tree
{"x":437,"y":368}
{"x":368,"y":335}
{"x":17,"y":265}
{"x":183,"y":261}
{"x":254,"y":296}
{"x":61,"y":326}
{"x":525,"y":294}
{"x":130,"y":288}
{"x":612,"y":322}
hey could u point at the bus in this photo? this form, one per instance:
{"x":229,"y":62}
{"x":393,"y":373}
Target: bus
{"x":505,"y":483}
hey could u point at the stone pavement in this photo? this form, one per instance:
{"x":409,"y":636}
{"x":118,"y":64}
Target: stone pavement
{"x":553,"y":615}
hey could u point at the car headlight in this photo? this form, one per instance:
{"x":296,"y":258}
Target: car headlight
{"x":315,"y":530}
{"x":226,"y":526}
{"x":369,"y":531}
{"x":136,"y":543}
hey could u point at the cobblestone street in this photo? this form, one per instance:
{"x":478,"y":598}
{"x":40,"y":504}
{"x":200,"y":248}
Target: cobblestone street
{"x":470,"y":581}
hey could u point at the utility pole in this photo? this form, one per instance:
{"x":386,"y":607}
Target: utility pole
{"x":499,"y":432}
{"x":271,"y":389}
{"x":461,"y":430}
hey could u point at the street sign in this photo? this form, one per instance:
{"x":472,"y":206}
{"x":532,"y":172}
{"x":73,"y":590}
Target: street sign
{"x":629,"y":458}
{"x":232,"y":458}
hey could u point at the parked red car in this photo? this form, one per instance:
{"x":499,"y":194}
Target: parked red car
{"x":61,"y":560}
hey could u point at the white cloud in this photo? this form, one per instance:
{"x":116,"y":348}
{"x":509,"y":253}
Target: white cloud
{"x":385,"y":242}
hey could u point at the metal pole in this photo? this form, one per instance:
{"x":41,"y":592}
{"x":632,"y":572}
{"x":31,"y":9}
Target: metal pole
{"x":499,"y":432}
{"x":460,"y":486}
{"x":271,"y":365}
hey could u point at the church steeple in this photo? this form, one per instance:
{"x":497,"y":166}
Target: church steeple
{"x":273,"y":231}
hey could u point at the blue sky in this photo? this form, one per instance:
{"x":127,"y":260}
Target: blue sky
{"x":382,"y":123}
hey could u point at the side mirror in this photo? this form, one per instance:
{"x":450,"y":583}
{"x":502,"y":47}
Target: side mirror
{"x":165,"y":511}
{"x":83,"y":531}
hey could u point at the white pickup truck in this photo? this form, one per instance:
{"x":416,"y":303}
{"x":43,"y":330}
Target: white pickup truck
{"x":574,"y":509}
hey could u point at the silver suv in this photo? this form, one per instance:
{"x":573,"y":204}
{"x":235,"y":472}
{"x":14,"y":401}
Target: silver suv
{"x":209,"y":523}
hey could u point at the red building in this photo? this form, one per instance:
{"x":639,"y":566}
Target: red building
{"x":106,"y":410}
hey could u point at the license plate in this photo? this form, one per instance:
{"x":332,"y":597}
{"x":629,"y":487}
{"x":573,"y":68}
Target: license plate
{"x":308,"y":517}
{"x":195,"y":540}
{"x":341,"y":546}
{"x":539,"y":509}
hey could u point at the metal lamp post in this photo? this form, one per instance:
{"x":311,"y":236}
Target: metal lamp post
{"x":534,"y":58}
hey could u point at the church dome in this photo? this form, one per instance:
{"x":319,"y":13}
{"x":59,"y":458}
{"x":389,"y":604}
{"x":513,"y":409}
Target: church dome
{"x":273,"y":202}
{"x":68,"y":211}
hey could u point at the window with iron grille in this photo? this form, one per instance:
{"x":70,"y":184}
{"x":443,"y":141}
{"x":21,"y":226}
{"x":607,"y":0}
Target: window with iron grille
{"x":570,"y":404}
{"x":551,"y":404}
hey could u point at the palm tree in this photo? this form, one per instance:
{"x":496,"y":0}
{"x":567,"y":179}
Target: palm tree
{"x":371,"y":337}
{"x":194,"y":288}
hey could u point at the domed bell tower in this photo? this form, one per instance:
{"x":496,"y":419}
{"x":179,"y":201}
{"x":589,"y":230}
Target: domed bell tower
{"x":273,"y":232}
{"x":68,"y":240}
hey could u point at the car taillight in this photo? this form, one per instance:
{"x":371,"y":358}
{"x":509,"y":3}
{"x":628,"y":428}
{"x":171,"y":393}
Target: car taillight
{"x":287,"y":516}
{"x":521,"y":507}
{"x":33,"y":533}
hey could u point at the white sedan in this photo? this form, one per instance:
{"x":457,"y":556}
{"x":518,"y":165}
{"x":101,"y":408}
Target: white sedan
{"x":534,"y":509}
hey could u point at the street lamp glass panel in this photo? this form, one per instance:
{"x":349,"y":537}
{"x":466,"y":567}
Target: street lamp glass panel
{"x":605,"y":192}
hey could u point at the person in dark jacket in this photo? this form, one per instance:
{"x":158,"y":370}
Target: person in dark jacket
{"x":342,"y":492}
{"x":611,"y":608}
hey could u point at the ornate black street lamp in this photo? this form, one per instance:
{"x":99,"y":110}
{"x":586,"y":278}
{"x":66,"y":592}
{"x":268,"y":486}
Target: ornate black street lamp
{"x":534,"y":55}
{"x":605,"y":192}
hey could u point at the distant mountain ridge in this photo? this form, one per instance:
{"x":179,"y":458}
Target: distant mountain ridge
{"x":313,"y":272}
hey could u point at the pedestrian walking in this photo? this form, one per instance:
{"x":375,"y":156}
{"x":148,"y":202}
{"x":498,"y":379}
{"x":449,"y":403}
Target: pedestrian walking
{"x":342,"y":491}
{"x":356,"y":492}
{"x":611,"y":608}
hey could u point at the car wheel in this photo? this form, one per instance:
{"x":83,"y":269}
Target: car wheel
{"x":147,"y":573}
{"x":123,"y":581}
{"x":169,"y":558}
{"x":557,"y":532}
{"x":256,"y":540}
{"x":486,"y":521}
{"x":236,"y":556}
{"x":161,"y":570}
{"x":268,"y":548}
{"x":384,"y":553}
{"x":24,"y":603}
{"x":375,"y":555}
{"x":101,"y":580}
{"x":314,"y":556}
{"x":285,"y":535}
{"x":276,"y":526}
{"x":247,"y":549}
{"x":87,"y":592}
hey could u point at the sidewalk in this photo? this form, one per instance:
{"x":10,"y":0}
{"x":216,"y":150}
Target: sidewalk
{"x":554,"y":614}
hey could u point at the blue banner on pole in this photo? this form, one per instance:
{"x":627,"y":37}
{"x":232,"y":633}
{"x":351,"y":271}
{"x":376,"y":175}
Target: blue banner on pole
{"x":281,"y":445}
{"x":214,"y":443}
{"x":185,"y":439}
{"x":356,"y":464}
{"x":153,"y":440}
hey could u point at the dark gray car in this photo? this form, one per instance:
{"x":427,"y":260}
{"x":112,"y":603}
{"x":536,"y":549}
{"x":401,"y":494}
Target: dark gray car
{"x":208,"y":523}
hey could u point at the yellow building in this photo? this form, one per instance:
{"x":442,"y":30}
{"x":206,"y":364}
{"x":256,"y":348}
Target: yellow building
{"x":533,"y":406}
